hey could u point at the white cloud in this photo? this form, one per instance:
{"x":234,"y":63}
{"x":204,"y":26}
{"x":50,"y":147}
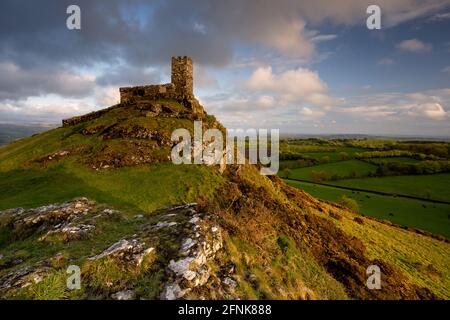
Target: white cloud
{"x":414,"y":45}
{"x":18,"y":83}
{"x":52,"y":108}
{"x":440,"y":16}
{"x":427,"y":105}
{"x":446,"y":69}
{"x":200,"y":28}
{"x":266,"y":101}
{"x":433,"y":111}
{"x":299,"y":85}
{"x":310,"y":113}
{"x":290,"y":39}
{"x":323,"y":37}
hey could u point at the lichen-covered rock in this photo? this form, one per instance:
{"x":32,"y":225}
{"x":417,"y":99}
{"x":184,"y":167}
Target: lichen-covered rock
{"x":68,"y":232}
{"x":176,"y":243}
{"x":123,"y":295}
{"x":230,"y":282}
{"x":24,"y":277}
{"x":190,"y":270}
{"x":52,"y":214}
{"x":129,"y":251}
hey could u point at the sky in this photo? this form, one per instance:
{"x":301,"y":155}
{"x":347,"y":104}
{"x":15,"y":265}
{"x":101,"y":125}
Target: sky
{"x":299,"y":66}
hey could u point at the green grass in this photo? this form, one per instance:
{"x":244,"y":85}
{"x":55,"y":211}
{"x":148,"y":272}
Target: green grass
{"x":342,"y":169}
{"x":407,"y":212}
{"x":292,"y":267}
{"x":142,"y":188}
{"x":434,"y":187}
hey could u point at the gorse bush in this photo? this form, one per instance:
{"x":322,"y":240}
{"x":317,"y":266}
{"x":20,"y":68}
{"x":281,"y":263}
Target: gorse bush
{"x":349,"y":203}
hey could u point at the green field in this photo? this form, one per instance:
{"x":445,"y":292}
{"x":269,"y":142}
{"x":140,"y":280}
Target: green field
{"x":424,"y":215}
{"x":396,"y":159}
{"x":434,"y":186}
{"x":334,"y":155}
{"x":394,"y":178}
{"x":341,"y":168}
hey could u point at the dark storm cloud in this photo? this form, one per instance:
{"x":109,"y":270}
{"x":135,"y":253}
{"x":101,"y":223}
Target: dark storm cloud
{"x":139,"y":34}
{"x":34,"y":32}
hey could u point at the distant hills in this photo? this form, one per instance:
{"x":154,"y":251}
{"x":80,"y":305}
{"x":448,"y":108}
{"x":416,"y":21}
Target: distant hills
{"x":11,"y":132}
{"x":362,"y":136}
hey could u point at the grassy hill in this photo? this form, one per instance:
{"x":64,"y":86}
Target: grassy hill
{"x":276,"y":242}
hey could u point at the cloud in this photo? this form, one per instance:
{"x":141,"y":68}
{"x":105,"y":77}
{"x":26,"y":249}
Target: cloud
{"x":310,"y":113}
{"x":204,"y":79}
{"x":386,"y":62}
{"x":324,"y":37}
{"x":446,"y":69}
{"x":200,"y":28}
{"x":145,"y":33}
{"x":290,"y":86}
{"x":427,"y":105}
{"x":414,"y":45}
{"x":352,"y":12}
{"x":266,"y":101}
{"x":18,"y":83}
{"x":431,"y":110}
{"x":51,"y":108}
{"x":126,"y":75}
{"x":440,"y":16}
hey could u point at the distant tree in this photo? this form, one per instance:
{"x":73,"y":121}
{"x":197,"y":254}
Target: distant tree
{"x":319,"y":176}
{"x":286,"y":173}
{"x":326,"y":159}
{"x":349,"y":203}
{"x":344,"y":156}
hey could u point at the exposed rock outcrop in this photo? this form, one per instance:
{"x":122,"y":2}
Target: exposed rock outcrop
{"x":177,"y":240}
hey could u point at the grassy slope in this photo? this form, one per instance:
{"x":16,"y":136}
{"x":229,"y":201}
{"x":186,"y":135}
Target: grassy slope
{"x":417,"y":256}
{"x":29,"y":184}
{"x":251,"y":226}
{"x":407,"y":212}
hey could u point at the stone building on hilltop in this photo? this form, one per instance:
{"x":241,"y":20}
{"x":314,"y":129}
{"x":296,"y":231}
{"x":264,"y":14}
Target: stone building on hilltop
{"x":180,"y":89}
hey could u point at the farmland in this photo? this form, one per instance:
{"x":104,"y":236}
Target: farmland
{"x":403,"y":182}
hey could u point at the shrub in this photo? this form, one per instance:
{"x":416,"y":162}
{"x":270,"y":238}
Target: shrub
{"x":319,"y":176}
{"x":326,"y":159}
{"x":349,"y":203}
{"x":344,"y":156}
{"x":286,"y":173}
